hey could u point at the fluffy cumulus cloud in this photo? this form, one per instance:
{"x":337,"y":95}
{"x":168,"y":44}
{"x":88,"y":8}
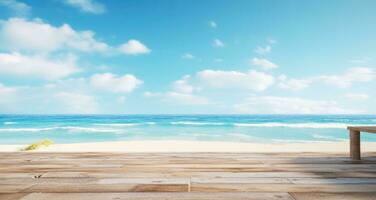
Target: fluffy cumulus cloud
{"x":351,"y":76}
{"x":182,"y":92}
{"x":218,"y":43}
{"x":252,"y":80}
{"x":263,"y":50}
{"x":18,"y":34}
{"x":114,"y":83}
{"x":46,"y":100}
{"x":264,"y":63}
{"x":23,"y":34}
{"x":19,"y":8}
{"x":134,"y":47}
{"x":76,"y":103}
{"x":16,"y":64}
{"x":88,"y":6}
{"x":66,"y":96}
{"x":345,"y":80}
{"x":293,"y":84}
{"x":289,"y":105}
{"x":183,"y":86}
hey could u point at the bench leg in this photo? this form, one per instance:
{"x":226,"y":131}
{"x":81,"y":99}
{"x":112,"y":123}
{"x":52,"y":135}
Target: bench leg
{"x":355,"y":145}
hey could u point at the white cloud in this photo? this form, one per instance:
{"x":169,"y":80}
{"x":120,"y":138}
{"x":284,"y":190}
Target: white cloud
{"x":187,"y":99}
{"x":150,"y":94}
{"x":182,"y":85}
{"x":352,"y":75}
{"x":18,"y":34}
{"x":23,"y":34}
{"x":218,"y":60}
{"x":113,"y":83}
{"x":263,"y":50}
{"x":49,"y":99}
{"x":252,"y":80}
{"x":345,"y":80}
{"x":37,"y":66}
{"x":76,"y":103}
{"x":188,"y":56}
{"x":264,"y":63}
{"x":182,"y":92}
{"x":354,"y":96}
{"x":289,"y":105}
{"x":89,"y":6}
{"x":293,"y":84}
{"x":218,"y":43}
{"x":134,"y":47}
{"x":213,"y":24}
{"x":19,"y":8}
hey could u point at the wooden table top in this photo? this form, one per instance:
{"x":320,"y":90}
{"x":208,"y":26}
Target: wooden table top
{"x":186,"y":176}
{"x":369,"y":129}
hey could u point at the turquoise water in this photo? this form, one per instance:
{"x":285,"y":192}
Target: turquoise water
{"x":22,"y":129}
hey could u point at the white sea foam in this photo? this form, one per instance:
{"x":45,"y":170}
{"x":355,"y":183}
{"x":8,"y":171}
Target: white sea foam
{"x":196,"y":123}
{"x":299,"y":125}
{"x":88,"y":129}
{"x":295,"y":141}
{"x":119,"y":124}
{"x":9,"y":123}
{"x":24,"y":129}
{"x":69,"y":128}
{"x":326,"y":137}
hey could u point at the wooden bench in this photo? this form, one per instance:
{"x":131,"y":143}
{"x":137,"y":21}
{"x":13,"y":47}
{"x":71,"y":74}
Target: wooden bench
{"x":355,"y":139}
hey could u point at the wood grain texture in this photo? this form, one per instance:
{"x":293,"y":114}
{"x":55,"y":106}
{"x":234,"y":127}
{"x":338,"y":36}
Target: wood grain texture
{"x":334,"y":196}
{"x":157,"y":176}
{"x":368,"y":129}
{"x":159,"y":196}
{"x":355,"y":144}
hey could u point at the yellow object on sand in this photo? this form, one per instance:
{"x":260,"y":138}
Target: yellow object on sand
{"x":37,"y":145}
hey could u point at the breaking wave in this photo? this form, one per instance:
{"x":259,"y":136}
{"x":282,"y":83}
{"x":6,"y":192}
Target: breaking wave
{"x":197,"y":123}
{"x":298,"y":125}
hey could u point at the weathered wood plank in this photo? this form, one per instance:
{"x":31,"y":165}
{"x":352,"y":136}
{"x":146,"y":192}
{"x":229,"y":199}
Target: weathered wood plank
{"x":336,"y":180}
{"x":239,"y":180}
{"x":12,"y":188}
{"x":334,"y":196}
{"x":159,"y":196}
{"x":99,"y":188}
{"x":251,"y":187}
{"x":14,"y":196}
{"x":368,"y":129}
{"x":110,"y":174}
{"x":96,"y":185}
{"x":183,"y":172}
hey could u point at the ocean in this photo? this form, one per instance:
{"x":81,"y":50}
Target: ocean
{"x":24,"y":129}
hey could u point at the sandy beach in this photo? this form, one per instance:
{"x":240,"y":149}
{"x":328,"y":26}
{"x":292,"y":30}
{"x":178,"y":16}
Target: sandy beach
{"x":194,"y":146}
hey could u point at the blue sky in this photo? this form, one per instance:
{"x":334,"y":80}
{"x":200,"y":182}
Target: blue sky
{"x":185,"y":57}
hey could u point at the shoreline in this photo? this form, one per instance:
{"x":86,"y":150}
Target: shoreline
{"x":167,"y":146}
